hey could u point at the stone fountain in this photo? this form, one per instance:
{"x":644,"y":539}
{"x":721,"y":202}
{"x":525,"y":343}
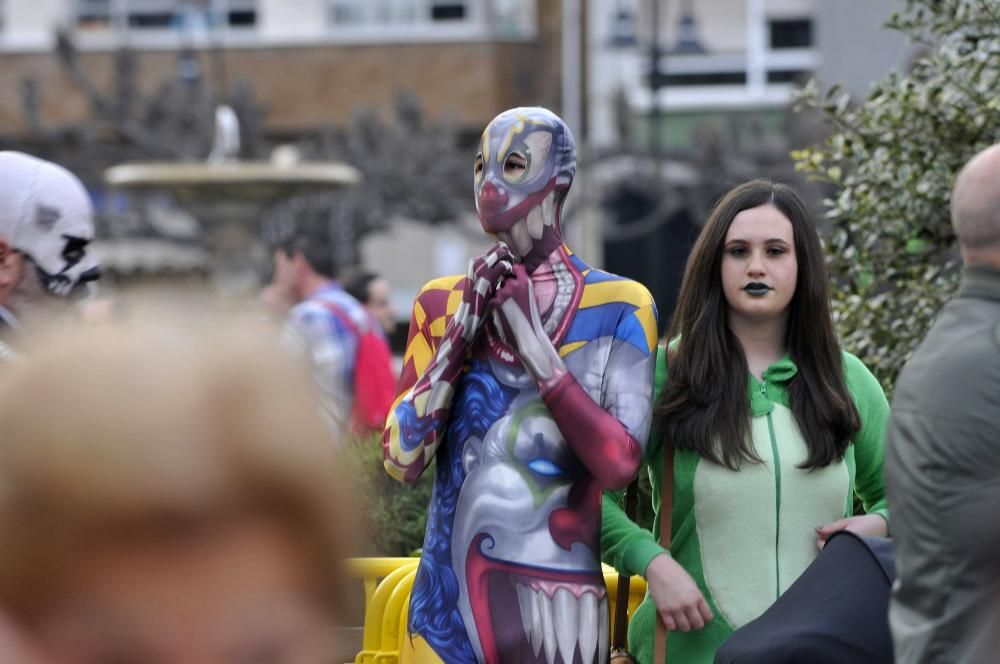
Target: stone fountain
{"x":228,"y":197}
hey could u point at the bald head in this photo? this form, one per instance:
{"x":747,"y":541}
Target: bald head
{"x":975,"y":205}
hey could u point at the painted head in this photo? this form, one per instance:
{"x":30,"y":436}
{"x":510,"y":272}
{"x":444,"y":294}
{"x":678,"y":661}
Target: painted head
{"x":46,"y":217}
{"x":523,"y":171}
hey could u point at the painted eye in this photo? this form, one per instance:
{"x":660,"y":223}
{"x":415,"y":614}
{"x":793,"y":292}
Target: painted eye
{"x":477,"y":167}
{"x":74,"y":250}
{"x":515,"y":166}
{"x":545,"y":468}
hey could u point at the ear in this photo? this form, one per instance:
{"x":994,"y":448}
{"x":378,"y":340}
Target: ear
{"x":10,"y":268}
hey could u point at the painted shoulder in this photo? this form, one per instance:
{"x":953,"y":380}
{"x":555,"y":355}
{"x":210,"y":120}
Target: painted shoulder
{"x":613,"y":306}
{"x":602,"y":287}
{"x":440,"y":297}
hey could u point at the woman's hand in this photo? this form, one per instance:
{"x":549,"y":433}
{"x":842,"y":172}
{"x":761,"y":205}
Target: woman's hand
{"x":676,"y":595}
{"x":865,"y":524}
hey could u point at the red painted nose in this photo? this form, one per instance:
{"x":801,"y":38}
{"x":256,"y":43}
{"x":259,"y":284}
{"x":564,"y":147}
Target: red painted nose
{"x":492,"y":199}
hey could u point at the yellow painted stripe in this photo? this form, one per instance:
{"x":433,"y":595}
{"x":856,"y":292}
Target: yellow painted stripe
{"x":438,"y":325}
{"x":622,"y":290}
{"x":648,"y":322}
{"x":420,"y":403}
{"x":566,"y":349}
{"x":418,"y":314}
{"x":419,"y":350}
{"x":454,"y":300}
{"x":445,"y":283}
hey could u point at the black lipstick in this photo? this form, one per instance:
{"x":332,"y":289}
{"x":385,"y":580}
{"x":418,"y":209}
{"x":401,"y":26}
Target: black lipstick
{"x":757,"y":288}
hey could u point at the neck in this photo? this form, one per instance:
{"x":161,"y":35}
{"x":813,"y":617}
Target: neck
{"x":988,"y":257}
{"x":763,"y":341}
{"x":543,"y":251}
{"x":310,"y":283}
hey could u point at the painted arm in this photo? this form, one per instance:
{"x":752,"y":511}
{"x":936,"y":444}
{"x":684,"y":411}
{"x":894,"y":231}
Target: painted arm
{"x":602,"y":443}
{"x":418,"y":419}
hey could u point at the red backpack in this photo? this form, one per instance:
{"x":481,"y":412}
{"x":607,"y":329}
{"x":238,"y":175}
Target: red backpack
{"x":374,"y":378}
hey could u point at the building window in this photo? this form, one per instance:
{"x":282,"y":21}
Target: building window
{"x":788,"y":76}
{"x":166,"y":14}
{"x":791,"y":33}
{"x":706,"y":78}
{"x":447,"y":11}
{"x":93,"y":13}
{"x":396,"y":12}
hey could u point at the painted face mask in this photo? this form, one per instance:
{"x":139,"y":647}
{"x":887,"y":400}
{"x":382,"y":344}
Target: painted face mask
{"x":525,"y":164}
{"x":46,"y":214}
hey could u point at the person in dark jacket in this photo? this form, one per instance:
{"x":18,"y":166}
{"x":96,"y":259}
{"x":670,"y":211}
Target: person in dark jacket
{"x":943,"y":453}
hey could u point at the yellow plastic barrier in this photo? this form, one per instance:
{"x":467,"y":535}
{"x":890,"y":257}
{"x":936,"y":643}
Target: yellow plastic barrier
{"x":373,"y":570}
{"x":394,"y":621}
{"x":636,"y":593}
{"x":392,"y":572}
{"x":388,"y":583}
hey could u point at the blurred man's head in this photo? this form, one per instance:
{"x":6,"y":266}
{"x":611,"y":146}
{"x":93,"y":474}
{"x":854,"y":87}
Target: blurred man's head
{"x":303,"y":254}
{"x":46,"y":224}
{"x":167,"y":497}
{"x":975,"y":208}
{"x":373,"y":291}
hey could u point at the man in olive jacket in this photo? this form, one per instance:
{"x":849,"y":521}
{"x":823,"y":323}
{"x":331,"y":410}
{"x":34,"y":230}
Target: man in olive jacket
{"x":943,"y":451}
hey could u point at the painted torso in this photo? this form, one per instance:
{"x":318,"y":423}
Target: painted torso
{"x":510,"y":570}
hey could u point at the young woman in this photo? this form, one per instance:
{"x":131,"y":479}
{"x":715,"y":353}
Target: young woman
{"x":774,"y":430}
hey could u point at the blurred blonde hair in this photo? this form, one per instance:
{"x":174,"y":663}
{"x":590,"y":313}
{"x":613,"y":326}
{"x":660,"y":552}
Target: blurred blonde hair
{"x":159,"y":430}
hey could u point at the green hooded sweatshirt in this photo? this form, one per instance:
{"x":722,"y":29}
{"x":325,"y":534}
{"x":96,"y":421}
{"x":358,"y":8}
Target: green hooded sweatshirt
{"x":745,"y":536}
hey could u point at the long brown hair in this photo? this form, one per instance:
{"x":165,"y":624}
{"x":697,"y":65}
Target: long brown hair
{"x":704,"y":406}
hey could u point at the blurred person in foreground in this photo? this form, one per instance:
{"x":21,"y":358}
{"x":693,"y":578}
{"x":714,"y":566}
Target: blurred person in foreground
{"x":167,"y":497}
{"x":324,"y":324}
{"x":46,"y":223}
{"x":943,"y":454}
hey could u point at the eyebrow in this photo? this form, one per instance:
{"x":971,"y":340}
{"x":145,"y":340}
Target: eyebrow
{"x":773,"y":240}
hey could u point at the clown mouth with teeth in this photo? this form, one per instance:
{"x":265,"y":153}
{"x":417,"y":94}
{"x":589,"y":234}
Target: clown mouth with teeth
{"x":526,"y":537}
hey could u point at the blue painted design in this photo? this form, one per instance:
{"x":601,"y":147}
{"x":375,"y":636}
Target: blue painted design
{"x":481,"y":400}
{"x":630,"y":330}
{"x":595,"y":322}
{"x":413,"y":429}
{"x":546,"y":468}
{"x":577,"y":263}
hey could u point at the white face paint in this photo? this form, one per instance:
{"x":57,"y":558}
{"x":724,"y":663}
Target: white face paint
{"x":47,"y":216}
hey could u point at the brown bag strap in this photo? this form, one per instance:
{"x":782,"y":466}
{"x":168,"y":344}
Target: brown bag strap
{"x":619,"y":634}
{"x":666,"y":512}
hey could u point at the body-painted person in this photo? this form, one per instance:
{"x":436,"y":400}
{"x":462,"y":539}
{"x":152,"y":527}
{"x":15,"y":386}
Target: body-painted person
{"x":529,"y":379}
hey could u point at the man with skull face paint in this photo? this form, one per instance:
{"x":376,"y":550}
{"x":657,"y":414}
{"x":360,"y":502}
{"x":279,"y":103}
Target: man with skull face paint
{"x":529,"y":379}
{"x":46,"y":223}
